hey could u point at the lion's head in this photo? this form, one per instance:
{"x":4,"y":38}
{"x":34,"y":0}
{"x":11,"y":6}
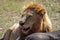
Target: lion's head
{"x":33,"y":18}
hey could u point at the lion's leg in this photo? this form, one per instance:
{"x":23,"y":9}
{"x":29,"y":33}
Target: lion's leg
{"x":15,"y":34}
{"x":9,"y":31}
{"x":7,"y":34}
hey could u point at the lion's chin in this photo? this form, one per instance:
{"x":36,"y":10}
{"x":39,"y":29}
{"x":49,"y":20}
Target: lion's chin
{"x":25,"y":31}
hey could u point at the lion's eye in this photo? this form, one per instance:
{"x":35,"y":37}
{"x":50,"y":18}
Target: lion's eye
{"x":41,"y":14}
{"x":28,"y":17}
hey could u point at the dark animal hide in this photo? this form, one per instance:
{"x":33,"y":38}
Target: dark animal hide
{"x":44,"y":36}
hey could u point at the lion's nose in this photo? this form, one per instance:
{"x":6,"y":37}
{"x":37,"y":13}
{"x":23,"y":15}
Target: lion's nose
{"x":21,"y":23}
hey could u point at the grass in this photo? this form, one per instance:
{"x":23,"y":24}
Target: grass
{"x":10,"y":12}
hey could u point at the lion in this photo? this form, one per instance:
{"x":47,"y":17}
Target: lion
{"x":34,"y":19}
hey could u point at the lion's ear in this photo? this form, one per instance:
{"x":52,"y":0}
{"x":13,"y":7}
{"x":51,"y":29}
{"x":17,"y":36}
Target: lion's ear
{"x":42,"y":12}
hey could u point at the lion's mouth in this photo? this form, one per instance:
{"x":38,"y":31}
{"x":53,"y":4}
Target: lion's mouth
{"x":25,"y":30}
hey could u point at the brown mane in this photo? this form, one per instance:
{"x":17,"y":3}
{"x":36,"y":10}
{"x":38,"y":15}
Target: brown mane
{"x":40,"y":25}
{"x":35,"y":7}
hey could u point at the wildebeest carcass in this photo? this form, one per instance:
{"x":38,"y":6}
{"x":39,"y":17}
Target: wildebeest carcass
{"x":44,"y":36}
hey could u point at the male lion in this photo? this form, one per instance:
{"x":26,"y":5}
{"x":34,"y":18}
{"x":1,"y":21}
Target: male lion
{"x":34,"y":19}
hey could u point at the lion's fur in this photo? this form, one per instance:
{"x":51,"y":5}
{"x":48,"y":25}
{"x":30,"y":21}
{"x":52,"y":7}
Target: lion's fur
{"x":43,"y":23}
{"x":35,"y":7}
{"x":40,"y":26}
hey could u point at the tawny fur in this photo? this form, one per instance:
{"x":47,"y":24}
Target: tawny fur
{"x":42,"y":24}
